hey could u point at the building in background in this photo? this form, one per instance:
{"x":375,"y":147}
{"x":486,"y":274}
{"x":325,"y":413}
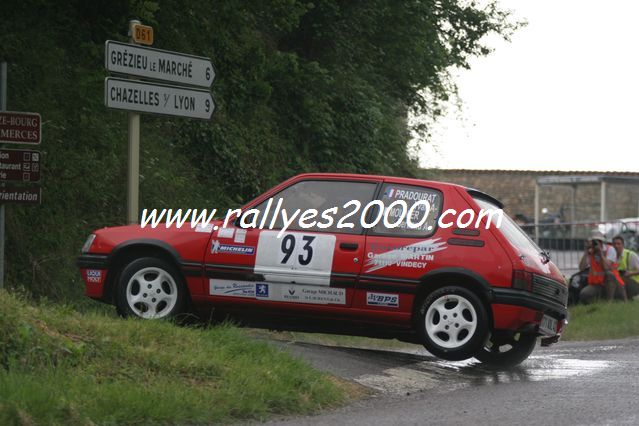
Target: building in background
{"x":569,"y":196}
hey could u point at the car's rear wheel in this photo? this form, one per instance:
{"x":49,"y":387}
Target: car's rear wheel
{"x":507,"y":352}
{"x":453,"y":323}
{"x":150,"y":288}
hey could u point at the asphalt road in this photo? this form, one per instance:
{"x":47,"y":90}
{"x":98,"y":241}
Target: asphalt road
{"x":593,"y":383}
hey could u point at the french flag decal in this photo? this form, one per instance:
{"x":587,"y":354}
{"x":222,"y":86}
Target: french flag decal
{"x":390,"y":192}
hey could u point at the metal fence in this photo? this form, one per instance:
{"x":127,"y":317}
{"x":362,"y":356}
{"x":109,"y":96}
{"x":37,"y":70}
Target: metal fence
{"x":565,"y":240}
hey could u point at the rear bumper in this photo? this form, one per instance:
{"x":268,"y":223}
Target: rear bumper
{"x":525,"y":299}
{"x":519,"y":310}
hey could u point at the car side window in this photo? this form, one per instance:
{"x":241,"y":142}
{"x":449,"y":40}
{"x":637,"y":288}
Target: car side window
{"x":329,"y":198}
{"x":422,"y":207}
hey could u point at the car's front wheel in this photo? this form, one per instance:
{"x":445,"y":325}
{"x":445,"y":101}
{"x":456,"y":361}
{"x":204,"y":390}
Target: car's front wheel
{"x":507,"y":352}
{"x":150,"y":288}
{"x":453,"y":323}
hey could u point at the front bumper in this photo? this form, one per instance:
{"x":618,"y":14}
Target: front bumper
{"x":93,"y":270}
{"x":92,"y":261}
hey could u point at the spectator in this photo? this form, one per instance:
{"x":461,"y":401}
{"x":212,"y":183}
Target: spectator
{"x":603,"y":278}
{"x":628,"y":268}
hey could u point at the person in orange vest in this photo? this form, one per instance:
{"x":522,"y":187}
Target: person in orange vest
{"x":603,"y":279}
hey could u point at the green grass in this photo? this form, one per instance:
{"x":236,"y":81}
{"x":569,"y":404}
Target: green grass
{"x":59,"y":366}
{"x":601,"y":321}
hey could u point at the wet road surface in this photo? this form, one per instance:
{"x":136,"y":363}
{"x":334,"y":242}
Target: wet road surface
{"x":581,"y":383}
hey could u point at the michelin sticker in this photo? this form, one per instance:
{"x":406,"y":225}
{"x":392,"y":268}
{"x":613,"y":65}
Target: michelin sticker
{"x":217,"y":247}
{"x":382,"y":299}
{"x":412,"y":256}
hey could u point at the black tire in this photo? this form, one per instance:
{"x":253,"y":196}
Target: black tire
{"x":150,"y":288}
{"x":463,"y":320}
{"x":503,"y":353}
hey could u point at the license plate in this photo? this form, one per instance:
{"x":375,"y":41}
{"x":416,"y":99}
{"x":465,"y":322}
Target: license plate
{"x":548,"y":325}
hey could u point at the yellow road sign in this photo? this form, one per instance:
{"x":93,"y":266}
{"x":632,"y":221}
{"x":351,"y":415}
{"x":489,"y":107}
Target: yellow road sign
{"x":142,"y":34}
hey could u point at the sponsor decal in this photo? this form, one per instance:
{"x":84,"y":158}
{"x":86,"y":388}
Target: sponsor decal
{"x":261,"y":290}
{"x":316,"y":295}
{"x":312,"y":294}
{"x":240,"y":236}
{"x":201,"y":228}
{"x":217,"y":247}
{"x":94,"y":275}
{"x":403,"y":194}
{"x":226,"y":233}
{"x":232,"y":288}
{"x":382,"y":299}
{"x":411,"y":256}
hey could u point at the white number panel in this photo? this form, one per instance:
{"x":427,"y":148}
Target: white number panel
{"x":295,"y":257}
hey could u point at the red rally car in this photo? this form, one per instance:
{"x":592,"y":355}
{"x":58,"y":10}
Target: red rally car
{"x":368,"y":255}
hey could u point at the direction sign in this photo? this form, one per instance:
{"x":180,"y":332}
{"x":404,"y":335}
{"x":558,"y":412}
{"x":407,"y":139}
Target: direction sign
{"x":20,"y":127}
{"x":19,"y":165}
{"x":158,"y":64}
{"x":131,"y":95}
{"x":21,"y":195}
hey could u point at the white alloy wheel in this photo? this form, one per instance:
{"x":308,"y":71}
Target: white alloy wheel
{"x":151,"y":293}
{"x":451,"y":321}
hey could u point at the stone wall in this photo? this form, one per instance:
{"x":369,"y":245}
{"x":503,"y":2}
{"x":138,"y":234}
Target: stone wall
{"x":516,"y":189}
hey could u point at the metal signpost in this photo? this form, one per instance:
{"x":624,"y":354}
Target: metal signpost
{"x":139,"y":96}
{"x":3,"y":106}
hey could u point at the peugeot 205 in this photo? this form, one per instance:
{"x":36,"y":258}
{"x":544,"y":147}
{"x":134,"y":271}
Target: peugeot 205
{"x":428,"y":262}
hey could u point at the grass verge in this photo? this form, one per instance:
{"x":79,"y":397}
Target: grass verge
{"x":602,"y":321}
{"x":59,"y":366}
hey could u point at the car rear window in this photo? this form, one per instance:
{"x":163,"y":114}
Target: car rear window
{"x":513,"y":233}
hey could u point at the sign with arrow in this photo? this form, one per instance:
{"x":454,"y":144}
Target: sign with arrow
{"x":131,"y":95}
{"x":156,"y":64}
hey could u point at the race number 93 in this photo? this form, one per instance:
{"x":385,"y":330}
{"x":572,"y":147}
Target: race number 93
{"x":288,"y":248}
{"x":294,"y":251}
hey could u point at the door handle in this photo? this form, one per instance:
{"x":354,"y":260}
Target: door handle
{"x":348,"y":246}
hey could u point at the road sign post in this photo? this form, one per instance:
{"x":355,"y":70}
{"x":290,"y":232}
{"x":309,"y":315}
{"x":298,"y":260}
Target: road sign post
{"x":133,"y":166}
{"x":3,"y":106}
{"x":137,"y":96}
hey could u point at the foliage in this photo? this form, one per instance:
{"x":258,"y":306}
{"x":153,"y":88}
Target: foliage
{"x":59,"y":367}
{"x":301,"y":86}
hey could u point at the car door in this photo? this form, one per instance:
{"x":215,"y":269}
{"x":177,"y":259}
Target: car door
{"x":292,"y":264}
{"x":402,"y":245}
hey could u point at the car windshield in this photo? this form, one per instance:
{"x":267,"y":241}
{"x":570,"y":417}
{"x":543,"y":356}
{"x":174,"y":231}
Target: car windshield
{"x":513,"y":233}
